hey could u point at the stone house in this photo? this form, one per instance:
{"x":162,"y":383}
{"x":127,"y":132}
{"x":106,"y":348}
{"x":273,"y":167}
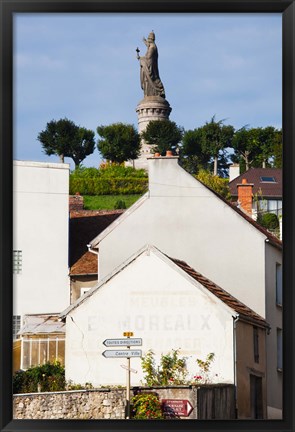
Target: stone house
{"x":265,"y":193}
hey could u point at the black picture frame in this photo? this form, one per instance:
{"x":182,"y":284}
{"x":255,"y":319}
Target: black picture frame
{"x":8,"y":8}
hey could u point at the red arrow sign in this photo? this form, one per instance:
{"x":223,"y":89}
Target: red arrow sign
{"x":177,"y":407}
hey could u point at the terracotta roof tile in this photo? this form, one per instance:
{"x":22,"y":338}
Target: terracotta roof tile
{"x":243,"y":310}
{"x":87,"y":264}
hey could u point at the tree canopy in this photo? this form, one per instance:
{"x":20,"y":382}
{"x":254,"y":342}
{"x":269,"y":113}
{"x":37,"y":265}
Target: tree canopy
{"x":119,"y":142}
{"x":65,"y":139}
{"x":215,"y":137}
{"x":163,"y":135}
{"x":191,"y":154}
{"x":258,"y":147}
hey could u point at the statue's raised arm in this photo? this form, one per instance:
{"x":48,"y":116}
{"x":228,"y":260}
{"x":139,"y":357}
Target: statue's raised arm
{"x":151,"y":83}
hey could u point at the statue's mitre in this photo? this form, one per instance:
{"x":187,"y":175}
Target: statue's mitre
{"x":152,"y":36}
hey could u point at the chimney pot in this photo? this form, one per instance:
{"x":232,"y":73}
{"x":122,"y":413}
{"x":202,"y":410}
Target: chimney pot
{"x":169,"y":153}
{"x":244,"y":181}
{"x":157,"y":155}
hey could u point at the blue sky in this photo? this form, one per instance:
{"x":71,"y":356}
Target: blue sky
{"x":84,"y":67}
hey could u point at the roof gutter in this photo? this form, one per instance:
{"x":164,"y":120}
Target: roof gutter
{"x":91,"y":250}
{"x":235,"y":320}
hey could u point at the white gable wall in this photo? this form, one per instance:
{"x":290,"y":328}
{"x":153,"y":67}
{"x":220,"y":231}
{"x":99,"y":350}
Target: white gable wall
{"x":185,"y":220}
{"x":160,"y":304}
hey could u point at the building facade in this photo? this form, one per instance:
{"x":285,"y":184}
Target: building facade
{"x":40,"y":240}
{"x":185,"y":219}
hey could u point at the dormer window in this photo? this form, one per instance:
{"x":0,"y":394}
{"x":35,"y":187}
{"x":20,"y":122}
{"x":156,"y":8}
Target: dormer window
{"x":265,"y":179}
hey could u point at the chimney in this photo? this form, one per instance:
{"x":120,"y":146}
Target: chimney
{"x":234,"y":171}
{"x":245,"y":196}
{"x":163,"y":174}
{"x":76,"y":202}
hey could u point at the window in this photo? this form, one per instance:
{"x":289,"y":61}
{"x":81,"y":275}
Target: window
{"x":15,"y":325}
{"x":265,"y":179}
{"x":83,"y":291}
{"x":17,"y":261}
{"x":256,"y":344}
{"x":279,"y":285}
{"x":37,"y":351}
{"x":279,"y":349}
{"x":274,"y":206}
{"x":268,"y":206}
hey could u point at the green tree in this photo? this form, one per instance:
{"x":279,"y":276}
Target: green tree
{"x":82,"y":146}
{"x":278,"y":149}
{"x":245,"y":144}
{"x":191,"y":155}
{"x":163,"y":135}
{"x":119,"y":142}
{"x":216,"y":136}
{"x":257,"y":147}
{"x":65,"y":139}
{"x":266,"y":143}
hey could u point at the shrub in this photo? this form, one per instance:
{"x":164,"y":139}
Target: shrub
{"x":120,"y":204}
{"x":50,"y":377}
{"x":171,"y":371}
{"x":268,"y":220}
{"x":147,"y":406}
{"x":203,"y":376}
{"x":218,"y":184}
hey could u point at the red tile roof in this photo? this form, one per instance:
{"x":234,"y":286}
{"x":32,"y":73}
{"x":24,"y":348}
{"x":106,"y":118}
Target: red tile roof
{"x":244,"y":311}
{"x":87,"y":264}
{"x":253,"y":175}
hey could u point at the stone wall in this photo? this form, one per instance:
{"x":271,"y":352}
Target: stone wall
{"x":110,"y":403}
{"x":82,"y":404}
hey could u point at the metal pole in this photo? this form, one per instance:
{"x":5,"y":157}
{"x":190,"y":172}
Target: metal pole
{"x":128,"y":386}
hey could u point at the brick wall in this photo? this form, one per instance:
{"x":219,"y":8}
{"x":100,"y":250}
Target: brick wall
{"x":76,"y":202}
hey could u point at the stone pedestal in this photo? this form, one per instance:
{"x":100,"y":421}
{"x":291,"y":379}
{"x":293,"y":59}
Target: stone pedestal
{"x":149,"y":108}
{"x":152,"y":108}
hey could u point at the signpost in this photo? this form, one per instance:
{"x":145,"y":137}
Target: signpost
{"x":128,"y":353}
{"x":131,"y":370}
{"x":177,"y":407}
{"x":122,"y":353}
{"x":122,"y":342}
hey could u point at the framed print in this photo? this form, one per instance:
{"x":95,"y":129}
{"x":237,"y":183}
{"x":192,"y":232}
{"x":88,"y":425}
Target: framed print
{"x":147,"y":213}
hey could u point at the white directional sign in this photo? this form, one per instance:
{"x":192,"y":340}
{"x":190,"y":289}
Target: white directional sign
{"x":129,"y":369}
{"x":123,"y":342}
{"x":122,"y":353}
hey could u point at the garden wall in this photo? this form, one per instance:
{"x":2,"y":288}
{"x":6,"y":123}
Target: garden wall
{"x":211,"y":402}
{"x":75,"y":404}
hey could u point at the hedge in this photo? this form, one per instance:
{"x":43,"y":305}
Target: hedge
{"x":108,"y":186}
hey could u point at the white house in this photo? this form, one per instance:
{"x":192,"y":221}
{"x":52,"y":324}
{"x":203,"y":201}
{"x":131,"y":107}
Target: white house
{"x":40,"y":242}
{"x":185,"y":219}
{"x":170,"y":306}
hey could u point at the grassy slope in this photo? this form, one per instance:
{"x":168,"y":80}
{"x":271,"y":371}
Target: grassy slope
{"x":107,"y":202}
